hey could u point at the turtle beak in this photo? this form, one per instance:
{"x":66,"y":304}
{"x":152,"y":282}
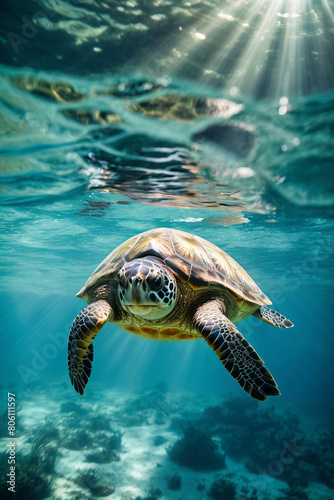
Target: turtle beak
{"x":132,"y":291}
{"x":135,"y":295}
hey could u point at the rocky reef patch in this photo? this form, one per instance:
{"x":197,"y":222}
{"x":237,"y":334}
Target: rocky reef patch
{"x":161,"y":445}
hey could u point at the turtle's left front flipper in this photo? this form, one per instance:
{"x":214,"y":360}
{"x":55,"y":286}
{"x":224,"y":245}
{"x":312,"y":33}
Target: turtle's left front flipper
{"x":236,"y":354}
{"x":80,"y":348}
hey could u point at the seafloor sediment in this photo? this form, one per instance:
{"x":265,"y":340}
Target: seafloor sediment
{"x":159,"y":445}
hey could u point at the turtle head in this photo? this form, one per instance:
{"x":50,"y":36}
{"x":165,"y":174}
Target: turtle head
{"x":147,"y":288}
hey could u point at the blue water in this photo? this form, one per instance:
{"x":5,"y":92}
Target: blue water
{"x":215,"y":118}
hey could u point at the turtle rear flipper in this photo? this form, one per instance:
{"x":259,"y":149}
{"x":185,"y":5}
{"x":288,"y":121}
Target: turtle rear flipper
{"x":273,"y":317}
{"x":236,"y":354}
{"x":80,"y":348}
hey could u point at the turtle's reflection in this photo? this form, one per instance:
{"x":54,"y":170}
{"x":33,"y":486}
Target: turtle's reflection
{"x":160,"y":175}
{"x":159,"y":171}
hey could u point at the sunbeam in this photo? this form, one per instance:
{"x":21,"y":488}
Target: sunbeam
{"x":264,"y":48}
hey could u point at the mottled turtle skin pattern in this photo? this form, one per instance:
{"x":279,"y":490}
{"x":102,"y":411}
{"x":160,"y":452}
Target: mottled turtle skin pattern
{"x":166,"y":284}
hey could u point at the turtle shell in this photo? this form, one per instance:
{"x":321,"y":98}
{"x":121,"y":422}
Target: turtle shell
{"x":192,"y":259}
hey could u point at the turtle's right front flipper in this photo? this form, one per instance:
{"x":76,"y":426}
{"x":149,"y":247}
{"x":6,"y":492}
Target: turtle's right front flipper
{"x":80,"y":349}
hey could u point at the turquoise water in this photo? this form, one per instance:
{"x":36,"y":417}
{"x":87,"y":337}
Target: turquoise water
{"x":215,"y":118}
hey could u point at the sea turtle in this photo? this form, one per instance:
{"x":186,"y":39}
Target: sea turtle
{"x":166,"y":284}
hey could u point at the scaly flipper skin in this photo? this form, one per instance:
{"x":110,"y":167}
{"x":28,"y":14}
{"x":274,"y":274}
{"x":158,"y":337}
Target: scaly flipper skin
{"x":273,"y":317}
{"x":80,"y":348}
{"x":236,"y":354}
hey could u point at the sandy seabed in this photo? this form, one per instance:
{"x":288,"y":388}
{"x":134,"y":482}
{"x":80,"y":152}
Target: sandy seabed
{"x":159,"y":445}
